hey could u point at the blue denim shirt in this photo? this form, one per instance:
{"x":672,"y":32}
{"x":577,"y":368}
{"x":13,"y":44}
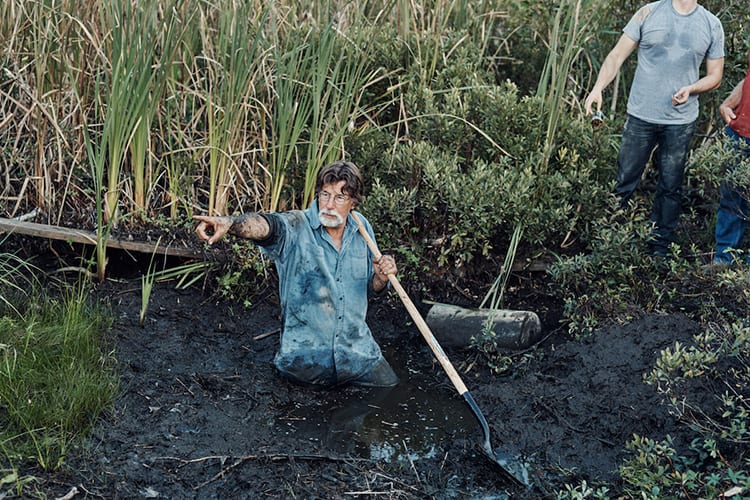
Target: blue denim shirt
{"x":324,"y":293}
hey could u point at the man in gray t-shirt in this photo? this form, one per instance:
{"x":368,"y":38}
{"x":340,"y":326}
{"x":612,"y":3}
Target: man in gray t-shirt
{"x":673,"y":38}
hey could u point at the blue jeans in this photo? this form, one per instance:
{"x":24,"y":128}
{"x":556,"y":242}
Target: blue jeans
{"x":638,"y":141}
{"x":731,"y":218}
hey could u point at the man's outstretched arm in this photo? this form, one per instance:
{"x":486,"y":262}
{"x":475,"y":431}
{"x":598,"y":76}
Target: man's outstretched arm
{"x":252,"y":226}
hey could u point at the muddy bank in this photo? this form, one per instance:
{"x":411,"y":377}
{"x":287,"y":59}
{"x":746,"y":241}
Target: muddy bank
{"x":203,"y":414}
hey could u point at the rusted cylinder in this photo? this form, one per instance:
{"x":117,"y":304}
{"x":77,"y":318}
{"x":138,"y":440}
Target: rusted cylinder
{"x":455,"y":326}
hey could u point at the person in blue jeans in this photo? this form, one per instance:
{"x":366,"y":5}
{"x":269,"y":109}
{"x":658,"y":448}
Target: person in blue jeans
{"x":673,"y":38}
{"x":731,"y":217}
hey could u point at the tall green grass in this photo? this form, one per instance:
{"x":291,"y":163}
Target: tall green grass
{"x":232,"y":58}
{"x":16,"y":277}
{"x":340,"y":78}
{"x":253,"y":97}
{"x":291,"y":109}
{"x":141,"y":46}
{"x":126,"y":99}
{"x":56,"y":374}
{"x":570,"y":31}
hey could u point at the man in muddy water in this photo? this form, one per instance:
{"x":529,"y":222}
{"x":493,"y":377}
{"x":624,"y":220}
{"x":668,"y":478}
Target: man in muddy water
{"x":673,"y":38}
{"x":326,"y":275}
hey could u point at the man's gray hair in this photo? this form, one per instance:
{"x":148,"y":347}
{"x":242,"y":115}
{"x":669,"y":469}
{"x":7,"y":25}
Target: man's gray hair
{"x":342,"y":171}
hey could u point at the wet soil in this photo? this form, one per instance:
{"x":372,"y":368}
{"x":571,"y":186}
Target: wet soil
{"x":202,"y":413}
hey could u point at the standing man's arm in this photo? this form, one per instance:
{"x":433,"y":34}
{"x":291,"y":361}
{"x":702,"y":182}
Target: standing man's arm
{"x":712,"y":80}
{"x":726,"y":109}
{"x":611,"y":65}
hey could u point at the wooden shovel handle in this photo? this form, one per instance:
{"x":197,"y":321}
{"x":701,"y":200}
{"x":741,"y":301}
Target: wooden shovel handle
{"x":414,"y":313}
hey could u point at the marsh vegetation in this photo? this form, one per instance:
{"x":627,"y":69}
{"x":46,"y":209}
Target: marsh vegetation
{"x":127,"y":117}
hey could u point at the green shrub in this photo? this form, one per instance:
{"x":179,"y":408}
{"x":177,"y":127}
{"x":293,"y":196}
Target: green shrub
{"x":246,"y":276}
{"x":720,"y":354}
{"x":706,"y":385}
{"x":608,"y":280}
{"x":471,"y":171}
{"x":657,"y":470}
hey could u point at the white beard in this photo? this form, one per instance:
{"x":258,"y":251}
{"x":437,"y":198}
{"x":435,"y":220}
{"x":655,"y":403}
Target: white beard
{"x":326,"y":221}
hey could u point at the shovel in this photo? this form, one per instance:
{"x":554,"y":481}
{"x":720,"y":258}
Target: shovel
{"x":520,"y":477}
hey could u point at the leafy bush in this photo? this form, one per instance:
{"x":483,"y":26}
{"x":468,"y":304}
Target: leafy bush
{"x":608,"y":281}
{"x":247,"y":276}
{"x":657,"y":470}
{"x":719,"y":361}
{"x":470,"y":170}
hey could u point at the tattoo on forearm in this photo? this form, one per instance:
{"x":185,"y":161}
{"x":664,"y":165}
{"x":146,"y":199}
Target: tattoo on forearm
{"x":252,"y":226}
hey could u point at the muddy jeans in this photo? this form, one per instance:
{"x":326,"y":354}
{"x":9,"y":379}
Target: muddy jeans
{"x":380,"y":375}
{"x":731,"y":218}
{"x":638,"y":141}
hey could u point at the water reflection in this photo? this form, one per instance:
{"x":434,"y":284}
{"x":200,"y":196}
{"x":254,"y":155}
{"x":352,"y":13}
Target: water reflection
{"x":399,"y":424}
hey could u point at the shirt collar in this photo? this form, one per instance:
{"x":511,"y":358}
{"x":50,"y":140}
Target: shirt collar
{"x":312,"y":214}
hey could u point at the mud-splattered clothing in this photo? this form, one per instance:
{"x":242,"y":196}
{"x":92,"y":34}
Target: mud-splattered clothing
{"x":671,"y":49}
{"x":324,"y":293}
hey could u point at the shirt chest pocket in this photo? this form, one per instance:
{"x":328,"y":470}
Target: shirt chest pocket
{"x":357,"y":265}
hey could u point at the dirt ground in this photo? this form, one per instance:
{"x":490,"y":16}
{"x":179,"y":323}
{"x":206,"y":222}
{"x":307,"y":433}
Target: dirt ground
{"x":202,"y":413}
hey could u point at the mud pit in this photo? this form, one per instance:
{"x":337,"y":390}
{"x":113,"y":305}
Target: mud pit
{"x":203,"y":414}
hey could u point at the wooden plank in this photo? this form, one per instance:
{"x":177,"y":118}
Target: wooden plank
{"x":89,"y":238}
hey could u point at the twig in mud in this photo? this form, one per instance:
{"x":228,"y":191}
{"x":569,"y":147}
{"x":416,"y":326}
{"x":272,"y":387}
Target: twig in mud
{"x":397,"y":481}
{"x":88,"y":493}
{"x":411,"y":462}
{"x":240,"y":460}
{"x":221,"y":473}
{"x":372,"y":493}
{"x":183,"y":385}
{"x":471,"y":365}
{"x":73,"y":492}
{"x":267,"y":334}
{"x":184,"y":461}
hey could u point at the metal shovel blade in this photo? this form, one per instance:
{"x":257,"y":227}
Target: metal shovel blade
{"x":510,"y":468}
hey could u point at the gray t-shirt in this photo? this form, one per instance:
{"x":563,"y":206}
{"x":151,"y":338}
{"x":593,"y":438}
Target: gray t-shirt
{"x":671,"y":49}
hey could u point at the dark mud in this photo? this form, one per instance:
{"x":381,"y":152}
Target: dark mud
{"x":202,"y":412}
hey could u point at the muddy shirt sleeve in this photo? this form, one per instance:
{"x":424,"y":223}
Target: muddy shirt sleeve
{"x":273,"y":232}
{"x":285,"y":231}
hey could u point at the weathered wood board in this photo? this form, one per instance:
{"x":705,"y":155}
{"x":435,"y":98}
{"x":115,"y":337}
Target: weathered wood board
{"x":89,"y":238}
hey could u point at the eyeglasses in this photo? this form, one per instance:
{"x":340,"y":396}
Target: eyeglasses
{"x":339,"y":199}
